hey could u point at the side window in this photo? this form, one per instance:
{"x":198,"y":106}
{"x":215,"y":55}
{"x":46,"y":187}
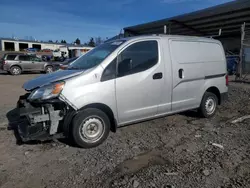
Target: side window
{"x":35,"y":59}
{"x":24,"y":58}
{"x":11,"y":57}
{"x":110,"y":71}
{"x":137,"y":58}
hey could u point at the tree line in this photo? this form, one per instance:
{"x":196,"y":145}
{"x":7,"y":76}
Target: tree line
{"x":92,"y":41}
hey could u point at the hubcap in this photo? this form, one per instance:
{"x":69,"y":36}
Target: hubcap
{"x":210,"y":105}
{"x":92,"y":129}
{"x":16,"y":71}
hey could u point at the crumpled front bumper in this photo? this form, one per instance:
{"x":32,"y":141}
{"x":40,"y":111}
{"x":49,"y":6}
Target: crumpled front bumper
{"x":38,"y":122}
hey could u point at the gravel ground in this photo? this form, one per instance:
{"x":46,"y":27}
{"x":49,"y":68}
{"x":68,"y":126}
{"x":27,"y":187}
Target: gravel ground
{"x":176,"y":151}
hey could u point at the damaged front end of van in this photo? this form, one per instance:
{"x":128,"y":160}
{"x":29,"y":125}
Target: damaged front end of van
{"x":44,"y":112}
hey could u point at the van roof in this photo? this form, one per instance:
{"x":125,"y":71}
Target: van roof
{"x":166,"y":36}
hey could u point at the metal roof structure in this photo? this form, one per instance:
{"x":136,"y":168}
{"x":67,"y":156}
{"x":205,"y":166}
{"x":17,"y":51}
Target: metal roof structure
{"x":207,"y":22}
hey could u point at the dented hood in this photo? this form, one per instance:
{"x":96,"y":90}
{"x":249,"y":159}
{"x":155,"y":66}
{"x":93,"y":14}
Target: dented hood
{"x":49,"y":78}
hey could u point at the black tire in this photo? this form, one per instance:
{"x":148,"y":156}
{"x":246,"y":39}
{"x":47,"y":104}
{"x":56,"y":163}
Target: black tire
{"x":15,"y":70}
{"x":206,"y":110}
{"x":84,"y":120}
{"x":49,"y":69}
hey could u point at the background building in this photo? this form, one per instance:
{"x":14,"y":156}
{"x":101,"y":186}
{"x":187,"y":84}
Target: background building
{"x":7,"y":44}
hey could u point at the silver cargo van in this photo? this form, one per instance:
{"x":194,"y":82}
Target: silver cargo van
{"x":123,"y":82}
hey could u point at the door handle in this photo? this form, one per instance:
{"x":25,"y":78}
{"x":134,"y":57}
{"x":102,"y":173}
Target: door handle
{"x":181,"y":73}
{"x":157,"y":76}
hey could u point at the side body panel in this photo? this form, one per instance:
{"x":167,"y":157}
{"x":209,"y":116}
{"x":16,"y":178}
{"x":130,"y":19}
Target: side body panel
{"x":39,"y":66}
{"x":195,"y":64}
{"x":9,"y":64}
{"x":87,"y":89}
{"x":165,"y":105}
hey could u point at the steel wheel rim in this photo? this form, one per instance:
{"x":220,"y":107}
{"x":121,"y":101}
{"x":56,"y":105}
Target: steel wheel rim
{"x":210,"y":105}
{"x":92,"y":129}
{"x":16,"y":71}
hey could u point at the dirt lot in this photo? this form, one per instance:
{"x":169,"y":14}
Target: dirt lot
{"x":176,"y":151}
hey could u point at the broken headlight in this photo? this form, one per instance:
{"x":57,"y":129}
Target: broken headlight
{"x":47,"y":92}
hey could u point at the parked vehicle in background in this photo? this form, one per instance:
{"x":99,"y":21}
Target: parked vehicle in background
{"x":123,"y":82}
{"x":31,"y":50}
{"x":15,"y":64}
{"x":232,"y":61}
{"x":64,"y":65}
{"x":47,"y":57}
{"x":46,"y":50}
{"x":61,"y":54}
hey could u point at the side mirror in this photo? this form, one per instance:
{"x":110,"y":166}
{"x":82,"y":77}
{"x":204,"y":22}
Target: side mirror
{"x":125,"y":66}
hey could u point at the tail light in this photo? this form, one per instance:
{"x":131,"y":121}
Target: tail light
{"x":4,"y":62}
{"x":63,"y":67}
{"x":227,"y":81}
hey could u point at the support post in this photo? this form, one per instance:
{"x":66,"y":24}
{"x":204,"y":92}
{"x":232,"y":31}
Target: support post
{"x":241,"y":50}
{"x":165,"y":29}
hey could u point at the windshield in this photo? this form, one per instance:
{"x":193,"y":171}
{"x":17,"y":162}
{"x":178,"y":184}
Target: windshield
{"x":96,"y":56}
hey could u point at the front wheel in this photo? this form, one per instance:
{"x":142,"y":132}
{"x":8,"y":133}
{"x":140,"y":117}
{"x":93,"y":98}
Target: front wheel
{"x":49,"y":69}
{"x":208,"y":105}
{"x":90,"y":128}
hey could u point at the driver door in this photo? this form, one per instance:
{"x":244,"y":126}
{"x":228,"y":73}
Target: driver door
{"x":139,"y":81}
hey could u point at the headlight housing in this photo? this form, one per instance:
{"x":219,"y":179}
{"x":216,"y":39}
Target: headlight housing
{"x":47,"y":92}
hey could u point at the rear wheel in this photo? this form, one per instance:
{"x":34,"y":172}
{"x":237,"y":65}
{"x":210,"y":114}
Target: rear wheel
{"x":208,"y":105}
{"x":15,"y":70}
{"x":48,"y":69}
{"x":90,"y":128}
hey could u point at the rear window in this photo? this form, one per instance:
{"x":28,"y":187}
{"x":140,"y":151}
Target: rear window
{"x":10,"y":57}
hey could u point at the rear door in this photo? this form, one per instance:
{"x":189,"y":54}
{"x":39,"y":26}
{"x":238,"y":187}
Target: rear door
{"x":25,"y":62}
{"x":37,"y":63}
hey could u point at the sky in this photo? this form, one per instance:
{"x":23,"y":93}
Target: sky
{"x":71,"y":19}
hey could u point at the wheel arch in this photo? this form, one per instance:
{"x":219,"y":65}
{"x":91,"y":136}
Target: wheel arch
{"x":46,"y":65}
{"x":14,"y":65}
{"x":216,"y":91}
{"x":106,"y":109}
